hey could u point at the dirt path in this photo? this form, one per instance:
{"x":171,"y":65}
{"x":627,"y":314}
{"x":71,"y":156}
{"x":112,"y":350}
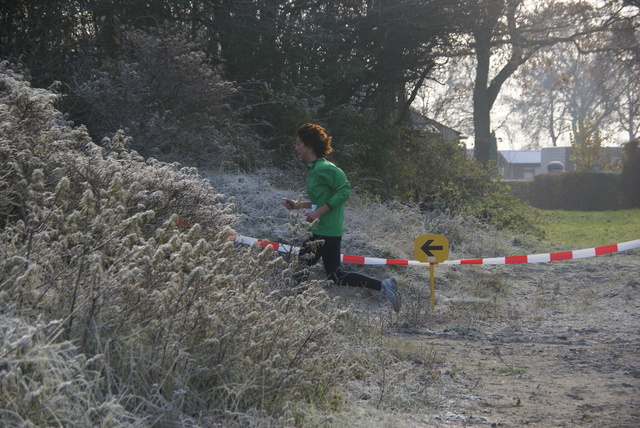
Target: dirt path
{"x":563,"y":349}
{"x":543,"y":345}
{"x":563,"y":382}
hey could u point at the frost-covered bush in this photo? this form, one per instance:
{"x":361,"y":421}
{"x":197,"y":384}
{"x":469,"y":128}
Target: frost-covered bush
{"x":163,"y":92}
{"x":132,"y":258}
{"x":46,"y":382}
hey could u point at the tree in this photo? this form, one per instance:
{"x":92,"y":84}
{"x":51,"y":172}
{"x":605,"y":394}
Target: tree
{"x":623,"y":48}
{"x":164,"y":93}
{"x":446,"y":95}
{"x":46,"y":36}
{"x":585,"y":88}
{"x":630,"y":176}
{"x":512,"y":32}
{"x":370,"y":54}
{"x":541,"y":83}
{"x":587,"y":145}
{"x":401,"y":41}
{"x":628,"y":109}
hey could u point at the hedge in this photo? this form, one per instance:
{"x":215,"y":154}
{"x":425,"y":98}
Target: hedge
{"x":571,"y":190}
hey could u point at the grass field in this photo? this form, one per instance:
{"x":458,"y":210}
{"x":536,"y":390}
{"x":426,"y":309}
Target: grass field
{"x":586,"y":229}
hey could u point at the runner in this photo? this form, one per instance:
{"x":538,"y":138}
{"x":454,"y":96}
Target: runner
{"x":328,"y":189}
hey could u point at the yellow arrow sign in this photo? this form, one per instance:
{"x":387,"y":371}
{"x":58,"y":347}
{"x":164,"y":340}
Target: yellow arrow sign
{"x":431,"y":248}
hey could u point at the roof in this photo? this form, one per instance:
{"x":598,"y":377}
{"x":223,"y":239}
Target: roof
{"x":521,"y":156}
{"x":420,"y":121}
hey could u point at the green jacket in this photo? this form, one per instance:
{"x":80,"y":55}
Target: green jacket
{"x":328,"y":184}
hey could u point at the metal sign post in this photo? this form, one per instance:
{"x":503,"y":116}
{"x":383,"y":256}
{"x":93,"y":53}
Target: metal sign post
{"x":432,"y":295}
{"x":431,"y":248}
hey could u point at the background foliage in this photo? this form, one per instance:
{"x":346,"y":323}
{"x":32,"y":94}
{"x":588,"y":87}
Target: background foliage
{"x":573,"y":190}
{"x":124,"y":303}
{"x":584,"y":190}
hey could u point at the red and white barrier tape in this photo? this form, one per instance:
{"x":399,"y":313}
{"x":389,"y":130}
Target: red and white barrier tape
{"x":534,"y":258}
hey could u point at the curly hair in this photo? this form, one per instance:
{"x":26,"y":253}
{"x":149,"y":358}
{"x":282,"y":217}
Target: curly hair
{"x":315,"y":136}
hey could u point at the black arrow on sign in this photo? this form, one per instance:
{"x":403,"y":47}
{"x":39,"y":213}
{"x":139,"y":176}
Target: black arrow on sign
{"x":427,"y":247}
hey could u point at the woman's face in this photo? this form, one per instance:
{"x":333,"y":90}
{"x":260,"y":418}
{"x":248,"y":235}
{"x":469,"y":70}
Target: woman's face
{"x":305,"y":152}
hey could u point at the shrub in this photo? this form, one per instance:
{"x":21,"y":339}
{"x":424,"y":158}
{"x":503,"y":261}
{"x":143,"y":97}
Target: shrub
{"x":46,"y":382}
{"x":521,"y":189}
{"x":275,"y":115}
{"x":421,"y":168}
{"x":133,"y":257}
{"x":164,"y":94}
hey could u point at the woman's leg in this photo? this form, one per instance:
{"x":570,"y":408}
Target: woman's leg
{"x":330,"y":252}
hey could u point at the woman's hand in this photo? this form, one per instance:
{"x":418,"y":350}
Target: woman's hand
{"x":312,"y":215}
{"x":317,"y":213}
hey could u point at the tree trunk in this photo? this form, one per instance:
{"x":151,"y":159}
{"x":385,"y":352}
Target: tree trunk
{"x":481,"y":102}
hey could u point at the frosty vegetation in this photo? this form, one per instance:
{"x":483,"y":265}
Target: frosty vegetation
{"x":166,"y":97}
{"x":125,"y":303}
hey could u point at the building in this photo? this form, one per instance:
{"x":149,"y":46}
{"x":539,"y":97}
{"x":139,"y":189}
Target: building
{"x":519,"y":164}
{"x":556,"y":154}
{"x":526,"y":164}
{"x":422,"y":123}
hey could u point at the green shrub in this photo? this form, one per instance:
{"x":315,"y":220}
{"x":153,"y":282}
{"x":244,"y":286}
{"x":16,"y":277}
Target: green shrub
{"x":521,"y":189}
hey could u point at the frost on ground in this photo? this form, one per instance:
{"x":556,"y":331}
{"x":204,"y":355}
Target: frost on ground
{"x":559,"y":347}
